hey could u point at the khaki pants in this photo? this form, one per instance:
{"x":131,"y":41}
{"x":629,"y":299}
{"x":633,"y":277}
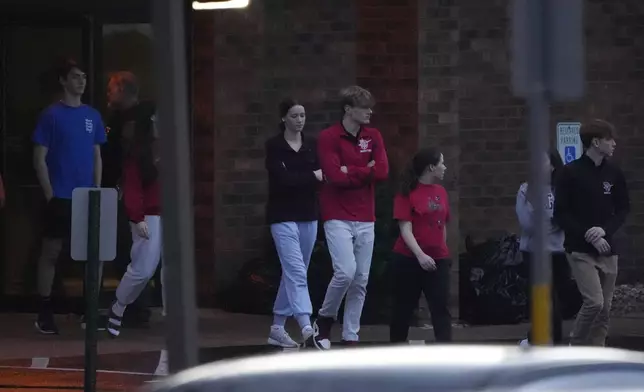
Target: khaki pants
{"x":595,"y":276}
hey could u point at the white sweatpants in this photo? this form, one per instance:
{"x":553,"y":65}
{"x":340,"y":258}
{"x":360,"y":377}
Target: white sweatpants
{"x":351,"y":248}
{"x":145,"y":256}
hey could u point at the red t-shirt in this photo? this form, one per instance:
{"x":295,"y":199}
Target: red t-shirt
{"x":427,"y":208}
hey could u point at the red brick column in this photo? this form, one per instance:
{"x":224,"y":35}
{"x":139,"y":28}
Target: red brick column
{"x":203,"y":151}
{"x":387,"y":65}
{"x":262,"y":54}
{"x":438,"y":121}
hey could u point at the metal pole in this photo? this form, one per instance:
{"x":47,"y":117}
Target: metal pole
{"x":178,"y":238}
{"x":91,"y":288}
{"x":539,"y":138}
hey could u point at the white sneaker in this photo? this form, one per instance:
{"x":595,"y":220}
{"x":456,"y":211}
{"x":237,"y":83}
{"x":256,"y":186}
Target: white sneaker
{"x":524,"y":343}
{"x":162,"y":366}
{"x":307,"y":333}
{"x":309,"y":336}
{"x":280,"y":338}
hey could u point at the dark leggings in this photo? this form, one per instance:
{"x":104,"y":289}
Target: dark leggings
{"x":409,"y":280}
{"x":560,"y":275}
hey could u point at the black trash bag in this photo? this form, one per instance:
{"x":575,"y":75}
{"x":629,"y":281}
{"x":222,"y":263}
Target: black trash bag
{"x":493,"y":282}
{"x":255,"y":289}
{"x":497,"y":253}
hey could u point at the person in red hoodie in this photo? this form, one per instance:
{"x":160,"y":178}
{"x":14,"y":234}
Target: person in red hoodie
{"x":421,"y":257}
{"x":141,"y":196}
{"x":352,"y":157}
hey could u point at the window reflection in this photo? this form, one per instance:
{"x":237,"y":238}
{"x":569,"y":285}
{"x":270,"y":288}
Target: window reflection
{"x":128,"y":47}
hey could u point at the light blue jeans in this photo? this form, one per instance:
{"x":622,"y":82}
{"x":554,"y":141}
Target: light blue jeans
{"x":294,"y":242}
{"x":351,"y":248}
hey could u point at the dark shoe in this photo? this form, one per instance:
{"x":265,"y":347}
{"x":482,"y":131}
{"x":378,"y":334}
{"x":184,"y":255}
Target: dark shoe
{"x":349,"y":343}
{"x":322,"y":335}
{"x":46,"y":324}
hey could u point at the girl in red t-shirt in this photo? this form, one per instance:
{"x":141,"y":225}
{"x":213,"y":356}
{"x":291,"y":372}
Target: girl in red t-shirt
{"x":421,"y":257}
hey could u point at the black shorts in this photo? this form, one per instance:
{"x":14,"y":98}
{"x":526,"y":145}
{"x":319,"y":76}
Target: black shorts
{"x":58,"y":218}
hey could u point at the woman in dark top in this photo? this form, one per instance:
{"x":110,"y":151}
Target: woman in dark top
{"x":292,"y":212}
{"x":421,"y":258}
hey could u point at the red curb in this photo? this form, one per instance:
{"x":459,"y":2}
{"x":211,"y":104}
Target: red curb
{"x":39,"y":380}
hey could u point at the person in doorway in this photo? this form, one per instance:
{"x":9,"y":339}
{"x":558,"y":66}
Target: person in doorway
{"x":421,"y":260}
{"x":591,"y":204}
{"x":554,"y":242}
{"x":67,"y":155}
{"x":352,"y":157}
{"x":127,"y":113}
{"x":292,"y":213}
{"x":141,"y":195}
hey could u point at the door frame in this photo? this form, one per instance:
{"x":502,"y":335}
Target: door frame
{"x":24,"y":19}
{"x":91,"y":18}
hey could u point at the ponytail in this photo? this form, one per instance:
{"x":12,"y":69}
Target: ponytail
{"x":421,"y":161}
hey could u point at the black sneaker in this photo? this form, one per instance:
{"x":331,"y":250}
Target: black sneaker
{"x":114,"y":324}
{"x":322,"y":336}
{"x":46,"y":324}
{"x":101,"y":322}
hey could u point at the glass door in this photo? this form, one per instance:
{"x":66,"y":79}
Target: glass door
{"x":29,"y":48}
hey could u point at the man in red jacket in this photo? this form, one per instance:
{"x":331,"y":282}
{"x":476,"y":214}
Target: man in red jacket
{"x":352,"y":157}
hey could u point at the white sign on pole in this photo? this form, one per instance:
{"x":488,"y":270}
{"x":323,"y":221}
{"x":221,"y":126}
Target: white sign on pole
{"x":568,"y":141}
{"x":108,"y":221}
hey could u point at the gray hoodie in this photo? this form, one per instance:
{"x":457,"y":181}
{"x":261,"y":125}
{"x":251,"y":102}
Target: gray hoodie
{"x":525,"y":213}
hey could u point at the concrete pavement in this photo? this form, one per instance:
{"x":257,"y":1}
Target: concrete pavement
{"x":40,"y":363}
{"x":219,"y":333}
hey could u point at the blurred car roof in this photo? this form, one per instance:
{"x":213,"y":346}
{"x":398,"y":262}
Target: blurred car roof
{"x":410,"y":368}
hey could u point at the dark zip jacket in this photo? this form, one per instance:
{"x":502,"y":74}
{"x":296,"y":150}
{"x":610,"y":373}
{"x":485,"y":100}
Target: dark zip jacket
{"x":113,"y":151}
{"x":292,"y":186}
{"x":588,"y":196}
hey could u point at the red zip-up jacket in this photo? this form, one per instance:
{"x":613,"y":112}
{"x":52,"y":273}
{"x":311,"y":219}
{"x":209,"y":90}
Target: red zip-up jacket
{"x":139,"y":200}
{"x":350,"y":196}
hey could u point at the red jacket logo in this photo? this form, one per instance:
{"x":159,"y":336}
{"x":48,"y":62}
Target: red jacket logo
{"x":364,"y":145}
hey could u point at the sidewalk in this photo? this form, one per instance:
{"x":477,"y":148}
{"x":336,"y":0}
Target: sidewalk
{"x":20,"y":341}
{"x":14,"y":380}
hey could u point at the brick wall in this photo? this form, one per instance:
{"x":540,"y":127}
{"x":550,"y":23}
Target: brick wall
{"x":303,"y":49}
{"x":203,"y":145}
{"x":437,"y":96}
{"x":387,"y":65}
{"x":493,"y":131}
{"x":440,"y":70}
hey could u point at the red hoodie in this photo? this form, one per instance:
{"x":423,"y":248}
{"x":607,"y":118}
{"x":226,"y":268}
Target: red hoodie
{"x":350,"y":196}
{"x":139,"y":200}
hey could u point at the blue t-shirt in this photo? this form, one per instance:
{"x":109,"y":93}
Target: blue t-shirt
{"x":70,"y":134}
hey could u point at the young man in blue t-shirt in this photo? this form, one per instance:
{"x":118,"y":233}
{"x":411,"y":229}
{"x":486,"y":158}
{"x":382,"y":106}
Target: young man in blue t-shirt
{"x":67,"y":155}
